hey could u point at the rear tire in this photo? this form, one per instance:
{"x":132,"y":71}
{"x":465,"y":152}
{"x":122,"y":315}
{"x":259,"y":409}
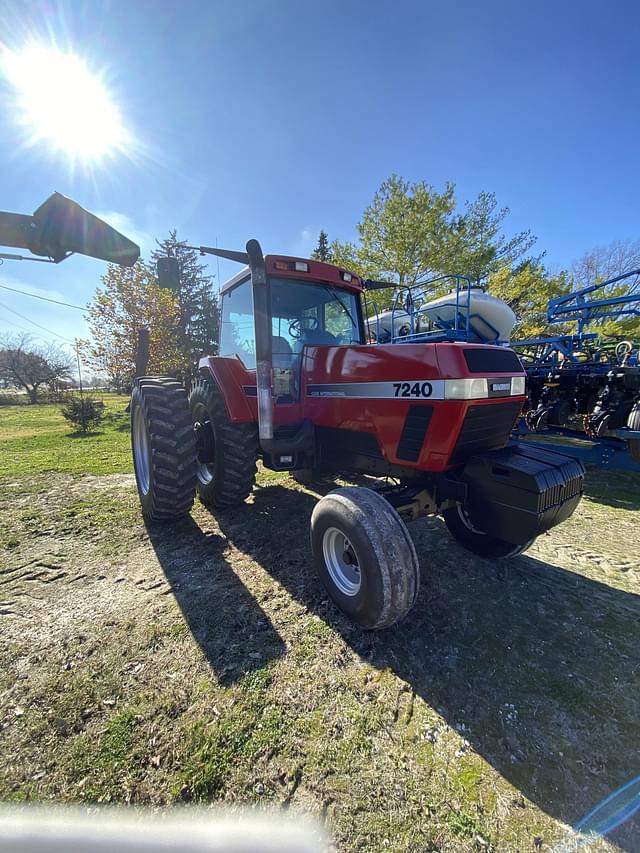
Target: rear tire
{"x":163,"y":447}
{"x":482,"y":544}
{"x":365,"y":557}
{"x":227,"y":452}
{"x":633,"y":422}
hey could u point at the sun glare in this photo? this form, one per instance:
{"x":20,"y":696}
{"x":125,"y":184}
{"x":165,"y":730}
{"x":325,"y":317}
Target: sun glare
{"x":59,"y":101}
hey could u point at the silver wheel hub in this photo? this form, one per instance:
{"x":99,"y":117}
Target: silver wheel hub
{"x":141,"y":451}
{"x":464,"y":518}
{"x":200,"y":417}
{"x":341,"y":561}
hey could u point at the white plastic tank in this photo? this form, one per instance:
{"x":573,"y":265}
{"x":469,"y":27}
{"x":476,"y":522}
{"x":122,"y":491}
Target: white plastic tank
{"x":490,"y":319}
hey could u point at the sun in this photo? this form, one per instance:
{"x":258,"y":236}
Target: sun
{"x":59,"y":101}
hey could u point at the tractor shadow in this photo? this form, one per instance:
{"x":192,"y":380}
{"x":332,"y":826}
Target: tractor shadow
{"x":538,"y":663}
{"x":234,"y":633}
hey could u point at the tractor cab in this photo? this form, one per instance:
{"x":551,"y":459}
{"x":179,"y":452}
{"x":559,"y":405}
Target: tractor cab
{"x":308,"y":304}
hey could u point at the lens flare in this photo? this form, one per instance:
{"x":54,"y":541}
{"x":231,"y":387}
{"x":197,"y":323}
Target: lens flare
{"x":608,"y":815}
{"x":59,"y":101}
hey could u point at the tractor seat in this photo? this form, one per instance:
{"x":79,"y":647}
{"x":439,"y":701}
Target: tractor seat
{"x":319,"y":337}
{"x":281,"y":352}
{"x":280,"y":345}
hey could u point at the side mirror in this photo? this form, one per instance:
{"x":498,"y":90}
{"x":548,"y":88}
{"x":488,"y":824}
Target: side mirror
{"x":62,"y":226}
{"x":168,"y":273}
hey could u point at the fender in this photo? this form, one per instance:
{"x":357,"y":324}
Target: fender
{"x":233,"y":381}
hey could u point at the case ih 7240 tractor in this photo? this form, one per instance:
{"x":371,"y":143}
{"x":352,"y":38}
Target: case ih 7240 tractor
{"x":297,"y":385}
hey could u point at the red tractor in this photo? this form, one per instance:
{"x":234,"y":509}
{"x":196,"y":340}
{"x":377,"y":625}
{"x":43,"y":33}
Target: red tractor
{"x":297,"y":385}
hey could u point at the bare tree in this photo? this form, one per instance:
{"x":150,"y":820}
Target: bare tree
{"x":605,"y":262}
{"x":30,"y":367}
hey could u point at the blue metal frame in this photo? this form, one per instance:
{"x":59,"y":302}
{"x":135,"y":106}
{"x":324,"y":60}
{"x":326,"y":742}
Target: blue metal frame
{"x":574,"y":306}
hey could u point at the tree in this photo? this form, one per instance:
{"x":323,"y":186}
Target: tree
{"x":477,"y":247}
{"x":129,"y":299}
{"x":403,"y":233}
{"x":527,"y":289}
{"x":322,"y":252}
{"x":604,"y":262}
{"x":197,"y":302}
{"x":30,"y":367}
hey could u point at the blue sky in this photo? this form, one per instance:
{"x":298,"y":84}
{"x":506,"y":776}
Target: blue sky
{"x":276,"y":118}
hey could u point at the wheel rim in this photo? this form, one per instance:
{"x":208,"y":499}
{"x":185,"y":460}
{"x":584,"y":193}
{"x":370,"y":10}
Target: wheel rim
{"x":464,"y":518}
{"x":141,"y":455}
{"x":200,"y":417}
{"x":341,"y":561}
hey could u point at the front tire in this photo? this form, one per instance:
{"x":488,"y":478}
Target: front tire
{"x":365,"y":557}
{"x":227,"y":452}
{"x":483,"y":544}
{"x":163,"y":448}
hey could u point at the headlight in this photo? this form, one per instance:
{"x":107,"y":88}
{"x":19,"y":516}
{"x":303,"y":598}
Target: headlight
{"x":518,"y":385}
{"x":465,"y":389}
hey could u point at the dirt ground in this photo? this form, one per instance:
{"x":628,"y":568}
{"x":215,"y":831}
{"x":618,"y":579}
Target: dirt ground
{"x":202,"y":662}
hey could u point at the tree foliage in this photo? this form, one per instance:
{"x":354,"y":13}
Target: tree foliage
{"x":129,"y":299}
{"x":198,"y":310}
{"x":83,"y":412}
{"x":604,"y":262}
{"x":411,"y":233}
{"x":322,"y":251}
{"x":477,"y":247}
{"x":26,"y":365}
{"x":527,"y":289}
{"x":403,"y":233}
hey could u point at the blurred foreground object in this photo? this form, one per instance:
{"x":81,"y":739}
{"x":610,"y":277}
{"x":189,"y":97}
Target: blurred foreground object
{"x":39,"y":829}
{"x":59,"y":228}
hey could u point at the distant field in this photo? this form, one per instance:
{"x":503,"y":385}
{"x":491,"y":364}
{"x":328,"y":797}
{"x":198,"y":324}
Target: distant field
{"x":35,"y":439}
{"x":202,"y":661}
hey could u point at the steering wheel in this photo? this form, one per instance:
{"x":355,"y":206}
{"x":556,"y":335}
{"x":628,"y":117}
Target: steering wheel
{"x":297,"y":326}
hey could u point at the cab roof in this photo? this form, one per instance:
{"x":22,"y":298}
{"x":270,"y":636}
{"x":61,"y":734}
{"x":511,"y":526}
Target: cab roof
{"x":302,"y":269}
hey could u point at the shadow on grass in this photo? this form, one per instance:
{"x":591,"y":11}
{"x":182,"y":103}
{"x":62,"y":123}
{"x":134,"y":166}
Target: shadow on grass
{"x":538,"y":663}
{"x":620,"y":489}
{"x":231,"y":628}
{"x":89,"y":434}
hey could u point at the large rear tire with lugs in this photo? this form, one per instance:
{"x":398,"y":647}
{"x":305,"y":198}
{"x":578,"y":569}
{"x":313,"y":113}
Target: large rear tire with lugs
{"x":365,"y":557}
{"x":227,"y":452}
{"x":163,"y":447}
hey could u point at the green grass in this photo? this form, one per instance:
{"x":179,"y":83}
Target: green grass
{"x":37,"y":439}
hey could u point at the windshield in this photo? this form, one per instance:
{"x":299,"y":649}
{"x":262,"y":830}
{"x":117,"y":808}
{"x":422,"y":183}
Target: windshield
{"x":305,"y":313}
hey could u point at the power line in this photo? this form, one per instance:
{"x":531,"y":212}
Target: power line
{"x":33,"y":323}
{"x":44,"y":298}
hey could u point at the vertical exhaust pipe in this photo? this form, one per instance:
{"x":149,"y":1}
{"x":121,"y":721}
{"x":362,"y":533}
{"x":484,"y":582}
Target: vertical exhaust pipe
{"x":262,"y":314}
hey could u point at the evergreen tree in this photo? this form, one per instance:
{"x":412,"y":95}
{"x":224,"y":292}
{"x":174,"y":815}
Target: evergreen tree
{"x":322,"y":252}
{"x":198,"y":307}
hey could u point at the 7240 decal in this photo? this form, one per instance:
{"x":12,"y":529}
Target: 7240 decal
{"x":415,"y":389}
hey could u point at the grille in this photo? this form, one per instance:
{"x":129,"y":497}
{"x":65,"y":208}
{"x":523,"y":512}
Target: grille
{"x":492,"y":361}
{"x":413,"y":432}
{"x":485,"y":427}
